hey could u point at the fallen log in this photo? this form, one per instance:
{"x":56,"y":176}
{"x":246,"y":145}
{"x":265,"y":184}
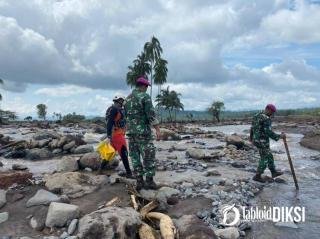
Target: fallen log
{"x":112,"y":202}
{"x":149,"y":207}
{"x":12,"y":144}
{"x":134,"y":202}
{"x":146,"y":232}
{"x":167,"y":228}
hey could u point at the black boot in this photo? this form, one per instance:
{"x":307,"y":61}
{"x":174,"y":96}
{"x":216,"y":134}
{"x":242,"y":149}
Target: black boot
{"x":258,"y":178}
{"x":140,"y":183}
{"x":275,"y":173}
{"x":150,"y":184}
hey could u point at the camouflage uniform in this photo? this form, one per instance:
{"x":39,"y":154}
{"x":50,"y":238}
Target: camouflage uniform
{"x":261,"y":131}
{"x":140,"y":116}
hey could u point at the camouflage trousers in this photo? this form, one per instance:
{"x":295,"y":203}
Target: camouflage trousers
{"x":266,"y":160}
{"x":141,"y":147}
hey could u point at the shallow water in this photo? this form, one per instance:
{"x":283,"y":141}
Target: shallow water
{"x":276,"y":194}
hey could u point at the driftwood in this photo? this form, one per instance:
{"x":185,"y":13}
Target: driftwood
{"x":12,"y":144}
{"x":149,"y":207}
{"x":146,"y":232}
{"x":134,"y":202}
{"x":167,"y":227}
{"x":112,"y":202}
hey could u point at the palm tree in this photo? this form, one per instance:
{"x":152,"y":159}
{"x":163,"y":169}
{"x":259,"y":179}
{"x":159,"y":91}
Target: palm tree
{"x":141,"y":67}
{"x":160,"y":73}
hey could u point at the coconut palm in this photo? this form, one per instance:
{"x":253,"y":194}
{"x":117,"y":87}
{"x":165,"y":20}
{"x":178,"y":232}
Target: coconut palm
{"x":141,"y":67}
{"x":160,"y":72}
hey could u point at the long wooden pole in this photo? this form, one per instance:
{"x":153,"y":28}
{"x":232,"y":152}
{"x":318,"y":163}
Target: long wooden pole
{"x":291,"y":165}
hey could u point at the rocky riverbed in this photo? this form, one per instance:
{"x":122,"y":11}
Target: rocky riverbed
{"x":51,"y":187}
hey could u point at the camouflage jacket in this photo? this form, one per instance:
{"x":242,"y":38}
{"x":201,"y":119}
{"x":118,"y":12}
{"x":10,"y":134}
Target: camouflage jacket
{"x":261,"y":130}
{"x":140,"y":114}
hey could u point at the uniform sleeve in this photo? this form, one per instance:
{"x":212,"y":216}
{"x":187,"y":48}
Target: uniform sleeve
{"x":149,"y":111}
{"x":110,"y":121}
{"x":268,"y":130}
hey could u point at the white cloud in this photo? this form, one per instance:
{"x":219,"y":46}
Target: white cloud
{"x":63,"y":91}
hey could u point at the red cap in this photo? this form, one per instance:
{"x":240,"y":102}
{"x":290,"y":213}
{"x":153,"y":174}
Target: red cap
{"x":143,"y":81}
{"x":271,"y":107}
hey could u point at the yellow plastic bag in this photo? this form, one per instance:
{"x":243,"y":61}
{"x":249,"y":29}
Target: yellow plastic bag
{"x":106,"y":151}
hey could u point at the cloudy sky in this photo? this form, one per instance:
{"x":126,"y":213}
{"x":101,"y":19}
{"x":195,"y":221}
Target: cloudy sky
{"x":73,"y":54}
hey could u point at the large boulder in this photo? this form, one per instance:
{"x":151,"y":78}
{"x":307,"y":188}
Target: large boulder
{"x":4,"y":216}
{"x":110,"y":222}
{"x":68,"y":164}
{"x":60,"y":213}
{"x":42,"y":197}
{"x":44,"y":135}
{"x":228,"y":233}
{"x":37,"y":222}
{"x":311,"y":140}
{"x":3,"y":199}
{"x":235,"y":140}
{"x":90,"y":160}
{"x":167,"y":134}
{"x":191,"y":227}
{"x":11,"y":177}
{"x":38,"y":154}
{"x":82,"y":149}
{"x":69,"y":145}
{"x":196,"y":153}
{"x":74,"y":184}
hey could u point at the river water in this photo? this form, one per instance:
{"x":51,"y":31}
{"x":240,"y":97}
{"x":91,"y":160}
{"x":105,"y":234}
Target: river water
{"x":277,"y":194}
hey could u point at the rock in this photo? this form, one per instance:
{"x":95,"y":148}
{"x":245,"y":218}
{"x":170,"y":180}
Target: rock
{"x":1,"y":164}
{"x":191,"y":227}
{"x":236,"y":141}
{"x":69,"y":146}
{"x":110,"y":222}
{"x":311,"y":140}
{"x":195,"y":153}
{"x":44,"y":135}
{"x":172,"y":157}
{"x":68,"y":164}
{"x":99,"y":129}
{"x":37,"y":222}
{"x":62,"y":141}
{"x":64,"y":235}
{"x":38,"y":154}
{"x":60,"y":213}
{"x":167,"y":134}
{"x":4,"y":216}
{"x":17,"y":197}
{"x":3,"y":199}
{"x":164,"y":194}
{"x":14,"y":177}
{"x":43,"y":143}
{"x":228,"y":233}
{"x":42,"y":197}
{"x":74,"y":184}
{"x":280,"y":180}
{"x":73,"y":226}
{"x":179,"y":147}
{"x":287,"y":224}
{"x":90,"y":160}
{"x":19,"y":167}
{"x":238,"y":164}
{"x":56,"y":151}
{"x":82,"y":149}
{"x":212,"y":173}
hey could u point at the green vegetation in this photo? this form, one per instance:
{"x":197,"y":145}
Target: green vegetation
{"x":170,"y":101}
{"x":149,"y":63}
{"x":73,"y":118}
{"x":216,"y":108}
{"x":28,"y":118}
{"x":42,"y":111}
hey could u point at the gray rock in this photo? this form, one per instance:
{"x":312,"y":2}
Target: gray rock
{"x":167,"y":134}
{"x":228,"y":233}
{"x":110,"y":222}
{"x":51,"y":237}
{"x":57,"y":151}
{"x":42,"y":197}
{"x":4,"y":216}
{"x":287,"y":224}
{"x":37,"y":222}
{"x":90,"y":160}
{"x":43,"y":143}
{"x":196,"y":153}
{"x":73,"y":226}
{"x":60,"y":213}
{"x":64,"y":235}
{"x":68,"y":164}
{"x":62,"y":141}
{"x":19,"y":167}
{"x":38,"y":154}
{"x":238,"y":164}
{"x":1,"y":164}
{"x":3,"y":199}
{"x":213,"y":172}
{"x":69,"y":146}
{"x":82,"y":149}
{"x":44,"y":135}
{"x":236,"y":141}
{"x":189,"y":226}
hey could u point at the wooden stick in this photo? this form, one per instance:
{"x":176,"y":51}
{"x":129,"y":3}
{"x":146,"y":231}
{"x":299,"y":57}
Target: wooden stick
{"x":134,"y":202}
{"x":291,"y":165}
{"x":149,"y":207}
{"x":112,"y":202}
{"x":167,"y":227}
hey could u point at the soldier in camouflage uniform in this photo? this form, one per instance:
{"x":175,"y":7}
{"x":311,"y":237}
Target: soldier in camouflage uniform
{"x":260,"y":133}
{"x":140,"y":116}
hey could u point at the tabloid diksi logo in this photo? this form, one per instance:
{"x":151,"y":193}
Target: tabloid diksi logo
{"x":232,"y":215}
